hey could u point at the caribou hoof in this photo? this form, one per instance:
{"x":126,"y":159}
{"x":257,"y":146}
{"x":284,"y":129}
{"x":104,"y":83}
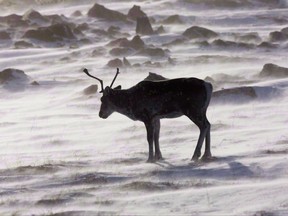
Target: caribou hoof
{"x":158,"y":157}
{"x":150,"y":160}
{"x":195,"y":158}
{"x":208,"y":158}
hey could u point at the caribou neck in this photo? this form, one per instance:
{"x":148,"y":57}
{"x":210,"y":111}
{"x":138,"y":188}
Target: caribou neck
{"x":121,"y":100}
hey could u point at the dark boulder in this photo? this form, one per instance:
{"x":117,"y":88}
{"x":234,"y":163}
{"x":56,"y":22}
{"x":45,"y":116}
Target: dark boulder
{"x":14,"y":20}
{"x":92,"y":89}
{"x":11,"y":74}
{"x":135,"y":12}
{"x":53,"y":33}
{"x":76,"y":13}
{"x":278,"y":36}
{"x":35,"y":17}
{"x":153,"y":52}
{"x":115,"y":63}
{"x":99,"y":11}
{"x":174,"y":19}
{"x":4,"y":35}
{"x":154,"y":77}
{"x":196,"y":32}
{"x":136,"y":43}
{"x":272,"y":70}
{"x":23,"y":45}
{"x":143,"y":26}
{"x":126,"y":62}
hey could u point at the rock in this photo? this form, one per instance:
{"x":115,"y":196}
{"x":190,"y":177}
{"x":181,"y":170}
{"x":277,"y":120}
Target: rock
{"x":11,"y":74}
{"x":92,"y":89}
{"x":285,"y":30}
{"x":113,"y":30}
{"x":135,"y":12}
{"x":250,"y":37}
{"x":238,"y":95}
{"x":99,"y":11}
{"x":272,"y":70}
{"x":267,"y":45}
{"x":76,"y":13}
{"x":4,"y":35}
{"x":136,"y":43}
{"x":82,"y":27}
{"x":53,"y":33}
{"x":115,"y":63}
{"x":153,"y":52}
{"x":177,"y":41}
{"x":174,"y":19}
{"x":278,"y":36}
{"x":231,"y":44}
{"x":126,"y":62}
{"x":34,"y":83}
{"x":98,"y":52}
{"x":143,"y":26}
{"x":14,"y":20}
{"x":23,"y":45}
{"x":154,"y":77}
{"x":35,"y":17}
{"x":196,"y":32}
{"x":160,"y":30}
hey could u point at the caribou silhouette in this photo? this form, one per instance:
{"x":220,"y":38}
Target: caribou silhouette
{"x":150,"y":101}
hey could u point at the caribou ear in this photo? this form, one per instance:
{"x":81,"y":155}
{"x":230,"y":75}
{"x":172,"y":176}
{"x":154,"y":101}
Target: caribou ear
{"x":118,"y":87}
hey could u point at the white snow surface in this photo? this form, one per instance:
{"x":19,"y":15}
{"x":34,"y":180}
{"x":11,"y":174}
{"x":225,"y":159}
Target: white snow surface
{"x":59,"y":158}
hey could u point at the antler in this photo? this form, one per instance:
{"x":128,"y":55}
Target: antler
{"x":115,"y":77}
{"x":101,"y":81}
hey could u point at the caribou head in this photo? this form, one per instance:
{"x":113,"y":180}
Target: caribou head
{"x":107,"y":107}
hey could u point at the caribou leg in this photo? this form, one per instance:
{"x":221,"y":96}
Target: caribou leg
{"x":158,"y":155}
{"x":150,"y":136}
{"x":207,"y":154}
{"x":203,"y":126}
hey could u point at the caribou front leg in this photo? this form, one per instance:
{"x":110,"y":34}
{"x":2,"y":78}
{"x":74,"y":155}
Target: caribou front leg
{"x":150,"y":137}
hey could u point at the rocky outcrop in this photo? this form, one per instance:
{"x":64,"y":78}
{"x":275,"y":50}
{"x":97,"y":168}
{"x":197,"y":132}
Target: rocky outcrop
{"x":135,"y":12}
{"x":23,"y":45}
{"x":99,"y":11}
{"x":174,"y":19}
{"x":272,"y":70}
{"x":234,"y":95}
{"x":92,"y":89}
{"x":35,"y":17}
{"x":231,"y":44}
{"x":4,"y":35}
{"x":11,"y":74}
{"x":143,"y":26}
{"x":154,"y":77}
{"x":115,"y":63}
{"x":14,"y":20}
{"x":196,"y":32}
{"x":136,"y":43}
{"x":53,"y":33}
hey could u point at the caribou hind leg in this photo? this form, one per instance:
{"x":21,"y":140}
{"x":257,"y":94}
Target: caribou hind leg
{"x":207,"y":154}
{"x":204,"y":127}
{"x":158,"y":155}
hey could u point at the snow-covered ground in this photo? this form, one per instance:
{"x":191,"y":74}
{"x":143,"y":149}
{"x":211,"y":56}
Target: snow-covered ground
{"x":59,"y":158}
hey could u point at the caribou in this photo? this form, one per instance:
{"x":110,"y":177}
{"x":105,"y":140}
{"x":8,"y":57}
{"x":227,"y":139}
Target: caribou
{"x":150,"y":101}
